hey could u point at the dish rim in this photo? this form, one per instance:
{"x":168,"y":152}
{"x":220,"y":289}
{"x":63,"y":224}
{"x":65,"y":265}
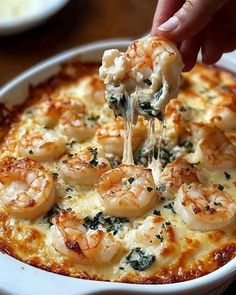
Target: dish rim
{"x":214,"y":278}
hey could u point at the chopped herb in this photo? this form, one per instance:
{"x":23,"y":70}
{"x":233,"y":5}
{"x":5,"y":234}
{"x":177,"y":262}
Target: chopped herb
{"x":158,"y":94}
{"x":93,"y":162}
{"x":94,"y":152}
{"x":148,"y":82}
{"x":69,"y":197}
{"x":161,"y":238}
{"x":139,"y":260}
{"x":149,"y":189}
{"x":64,"y":161}
{"x":121,"y":268}
{"x":69,"y":189}
{"x":148,"y":111}
{"x":31,"y":152}
{"x":93,"y":118}
{"x":70,"y":144}
{"x":227,"y":175}
{"x":157,"y":212}
{"x":207,"y":208}
{"x":182,"y":109}
{"x":170,"y":206}
{"x":29,"y":112}
{"x":188,"y":145}
{"x":55,"y":174}
{"x":117,"y":103}
{"x":69,"y":209}
{"x":131,"y":179}
{"x":51,"y":213}
{"x":111,"y":224}
{"x":69,"y":155}
{"x":167,"y":223}
{"x":46,"y":127}
{"x":217,"y":203}
{"x":220,"y":187}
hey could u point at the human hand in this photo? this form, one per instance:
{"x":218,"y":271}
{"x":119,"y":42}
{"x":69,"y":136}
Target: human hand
{"x":194,"y":24}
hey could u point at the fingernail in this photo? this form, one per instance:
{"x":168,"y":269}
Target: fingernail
{"x":169,"y":25}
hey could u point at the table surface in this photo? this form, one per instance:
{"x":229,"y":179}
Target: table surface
{"x":81,"y":21}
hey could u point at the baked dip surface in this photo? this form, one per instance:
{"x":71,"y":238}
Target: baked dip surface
{"x":56,"y":158}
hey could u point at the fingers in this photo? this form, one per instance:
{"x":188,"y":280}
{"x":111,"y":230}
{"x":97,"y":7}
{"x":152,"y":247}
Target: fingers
{"x":213,"y":42}
{"x":189,"y":50}
{"x":190,"y":19}
{"x":165,"y":9}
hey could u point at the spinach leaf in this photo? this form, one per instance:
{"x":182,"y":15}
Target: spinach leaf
{"x":139,"y":260}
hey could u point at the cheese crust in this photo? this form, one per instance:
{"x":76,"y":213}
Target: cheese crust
{"x":169,"y":249}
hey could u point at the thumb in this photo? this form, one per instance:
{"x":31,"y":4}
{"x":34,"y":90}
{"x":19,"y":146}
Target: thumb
{"x":190,"y":19}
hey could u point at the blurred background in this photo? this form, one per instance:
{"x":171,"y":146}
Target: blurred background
{"x":79,"y":22}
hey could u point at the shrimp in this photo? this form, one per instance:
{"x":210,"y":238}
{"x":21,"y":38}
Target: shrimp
{"x":80,"y":244}
{"x":213,"y":148}
{"x":148,"y":72}
{"x":84,"y":168}
{"x":111,"y":136}
{"x":224,"y":116}
{"x":48,"y":112}
{"x":93,"y":90}
{"x":127,"y":190}
{"x":27,"y":188}
{"x":176,"y":174}
{"x":76,"y":125}
{"x":204,"y":209}
{"x":42,"y":145}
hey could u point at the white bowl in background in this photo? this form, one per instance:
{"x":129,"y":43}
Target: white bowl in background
{"x":19,"y":24}
{"x":17,"y":278}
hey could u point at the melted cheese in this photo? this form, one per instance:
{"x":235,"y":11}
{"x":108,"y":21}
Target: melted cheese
{"x":181,"y":253}
{"x":124,"y":76}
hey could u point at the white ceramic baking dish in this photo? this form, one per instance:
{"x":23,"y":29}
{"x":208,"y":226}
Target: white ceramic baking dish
{"x":17,"y":278}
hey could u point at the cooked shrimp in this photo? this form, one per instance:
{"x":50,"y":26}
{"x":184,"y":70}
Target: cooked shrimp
{"x":27,"y":188}
{"x":204,"y":209}
{"x":82,"y":245}
{"x":48,"y":112}
{"x":213,"y":148}
{"x":111,"y":136}
{"x":93,"y":90}
{"x":175,"y":174}
{"x":148,"y":72}
{"x":127,"y":190}
{"x":224,"y":116}
{"x":84,"y":168}
{"x":76,"y":125}
{"x":42,"y":145}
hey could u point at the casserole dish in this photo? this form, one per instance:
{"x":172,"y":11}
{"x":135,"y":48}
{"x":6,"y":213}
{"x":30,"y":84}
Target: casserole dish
{"x":19,"y":278}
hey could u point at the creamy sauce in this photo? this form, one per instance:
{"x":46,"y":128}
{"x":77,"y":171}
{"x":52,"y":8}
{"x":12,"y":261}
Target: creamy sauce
{"x":181,"y":253}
